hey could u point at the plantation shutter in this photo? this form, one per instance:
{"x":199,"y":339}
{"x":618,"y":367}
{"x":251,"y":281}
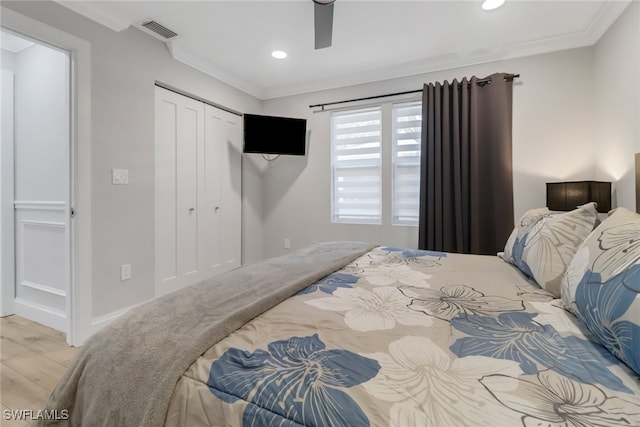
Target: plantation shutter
{"x":356,"y":138}
{"x":407,"y":127}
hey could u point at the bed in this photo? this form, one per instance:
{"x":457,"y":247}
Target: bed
{"x":352,"y":334}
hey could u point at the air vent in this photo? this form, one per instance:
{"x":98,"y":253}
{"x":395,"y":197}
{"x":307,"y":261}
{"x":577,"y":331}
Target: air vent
{"x":161,"y":30}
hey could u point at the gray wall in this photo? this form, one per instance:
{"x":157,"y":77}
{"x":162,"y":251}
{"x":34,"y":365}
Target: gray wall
{"x":124,"y":67}
{"x":553,"y":139}
{"x":559,"y":133}
{"x":576,"y":116}
{"x":617,"y":100}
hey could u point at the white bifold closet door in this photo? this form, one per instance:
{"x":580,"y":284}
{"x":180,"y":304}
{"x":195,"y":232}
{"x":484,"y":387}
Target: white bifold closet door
{"x":198,"y":191}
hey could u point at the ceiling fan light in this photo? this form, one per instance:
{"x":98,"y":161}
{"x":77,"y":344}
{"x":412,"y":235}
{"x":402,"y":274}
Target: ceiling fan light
{"x":279,"y":54}
{"x":492,"y":4}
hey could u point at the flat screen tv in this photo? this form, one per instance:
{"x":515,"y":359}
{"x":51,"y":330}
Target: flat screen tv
{"x":274,"y":135}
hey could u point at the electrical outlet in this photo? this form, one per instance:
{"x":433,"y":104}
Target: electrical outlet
{"x":125,"y":272}
{"x":287,"y":243}
{"x":119,"y":176}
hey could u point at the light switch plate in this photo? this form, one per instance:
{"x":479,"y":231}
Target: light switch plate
{"x":125,"y":272}
{"x":119,"y":176}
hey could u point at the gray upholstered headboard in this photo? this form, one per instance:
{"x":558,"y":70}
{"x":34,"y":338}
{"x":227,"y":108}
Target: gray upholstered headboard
{"x":638,"y":182}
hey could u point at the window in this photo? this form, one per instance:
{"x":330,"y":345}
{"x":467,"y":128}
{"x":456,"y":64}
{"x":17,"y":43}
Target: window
{"x":407,"y":128}
{"x":363,"y":172}
{"x":356,"y":155}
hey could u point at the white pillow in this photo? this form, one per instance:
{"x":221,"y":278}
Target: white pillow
{"x":543,"y":243}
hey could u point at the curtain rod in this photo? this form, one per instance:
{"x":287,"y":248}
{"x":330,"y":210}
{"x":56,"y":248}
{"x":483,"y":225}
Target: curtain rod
{"x":507,"y":77}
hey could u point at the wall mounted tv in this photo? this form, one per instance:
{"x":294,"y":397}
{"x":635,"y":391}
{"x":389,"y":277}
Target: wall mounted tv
{"x":274,"y":135}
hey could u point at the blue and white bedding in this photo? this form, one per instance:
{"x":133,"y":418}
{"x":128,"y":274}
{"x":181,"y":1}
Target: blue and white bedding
{"x":411,"y":338}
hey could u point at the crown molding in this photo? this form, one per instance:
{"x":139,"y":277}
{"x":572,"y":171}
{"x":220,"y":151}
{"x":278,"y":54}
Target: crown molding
{"x":607,"y":15}
{"x":97,"y":12}
{"x":187,"y":57}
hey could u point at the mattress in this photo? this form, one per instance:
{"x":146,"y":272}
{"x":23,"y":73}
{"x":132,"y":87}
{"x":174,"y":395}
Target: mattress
{"x":410,"y":338}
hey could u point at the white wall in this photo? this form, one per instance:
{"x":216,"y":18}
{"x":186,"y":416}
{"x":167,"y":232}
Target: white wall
{"x":576,"y":115}
{"x":553,"y":138}
{"x":7,"y":293}
{"x":617,"y":100}
{"x":123,"y":137}
{"x":124,"y":67}
{"x":7,"y":60}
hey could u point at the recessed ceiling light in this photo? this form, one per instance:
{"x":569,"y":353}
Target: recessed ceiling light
{"x":492,"y":4}
{"x":279,"y":54}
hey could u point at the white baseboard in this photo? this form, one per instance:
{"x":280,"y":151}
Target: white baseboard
{"x":42,"y":314}
{"x":100,"y":322}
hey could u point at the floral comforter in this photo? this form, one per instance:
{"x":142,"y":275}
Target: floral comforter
{"x":410,"y":338}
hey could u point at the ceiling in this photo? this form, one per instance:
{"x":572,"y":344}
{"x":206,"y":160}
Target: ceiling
{"x":372,"y":40}
{"x":12,"y":43}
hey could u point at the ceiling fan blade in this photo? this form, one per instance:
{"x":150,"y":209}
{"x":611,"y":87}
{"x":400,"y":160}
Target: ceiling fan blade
{"x":323,"y":22}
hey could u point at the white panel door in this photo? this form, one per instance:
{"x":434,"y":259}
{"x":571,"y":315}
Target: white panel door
{"x":210,"y":215}
{"x":166,"y":143}
{"x":179,"y":130}
{"x":190,"y":131}
{"x":231,"y":194}
{"x":221,"y":216}
{"x":42,"y":185}
{"x":198,"y":191}
{"x":42,"y":262}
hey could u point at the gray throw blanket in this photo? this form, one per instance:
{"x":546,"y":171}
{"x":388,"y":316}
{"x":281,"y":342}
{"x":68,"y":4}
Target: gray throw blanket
{"x":125,"y":374}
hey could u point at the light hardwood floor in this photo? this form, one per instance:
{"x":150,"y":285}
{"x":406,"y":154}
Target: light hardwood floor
{"x":32,"y":360}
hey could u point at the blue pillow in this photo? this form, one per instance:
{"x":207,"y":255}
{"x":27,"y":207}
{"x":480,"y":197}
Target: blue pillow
{"x":602,"y":285}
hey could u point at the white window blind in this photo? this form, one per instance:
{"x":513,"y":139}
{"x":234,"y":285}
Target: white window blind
{"x":407,"y":128}
{"x":356,"y":141}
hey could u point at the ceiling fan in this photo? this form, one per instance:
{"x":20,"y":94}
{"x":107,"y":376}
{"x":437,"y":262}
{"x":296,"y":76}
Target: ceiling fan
{"x":323,"y":22}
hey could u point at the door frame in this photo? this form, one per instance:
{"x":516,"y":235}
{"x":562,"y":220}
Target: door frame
{"x":79,"y":297}
{"x":7,"y":223}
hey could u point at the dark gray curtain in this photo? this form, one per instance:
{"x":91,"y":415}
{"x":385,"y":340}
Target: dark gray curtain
{"x":466,"y":184}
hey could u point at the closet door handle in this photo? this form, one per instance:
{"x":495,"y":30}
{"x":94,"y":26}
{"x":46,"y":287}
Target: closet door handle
{"x":191,"y":210}
{"x":217,"y":208}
